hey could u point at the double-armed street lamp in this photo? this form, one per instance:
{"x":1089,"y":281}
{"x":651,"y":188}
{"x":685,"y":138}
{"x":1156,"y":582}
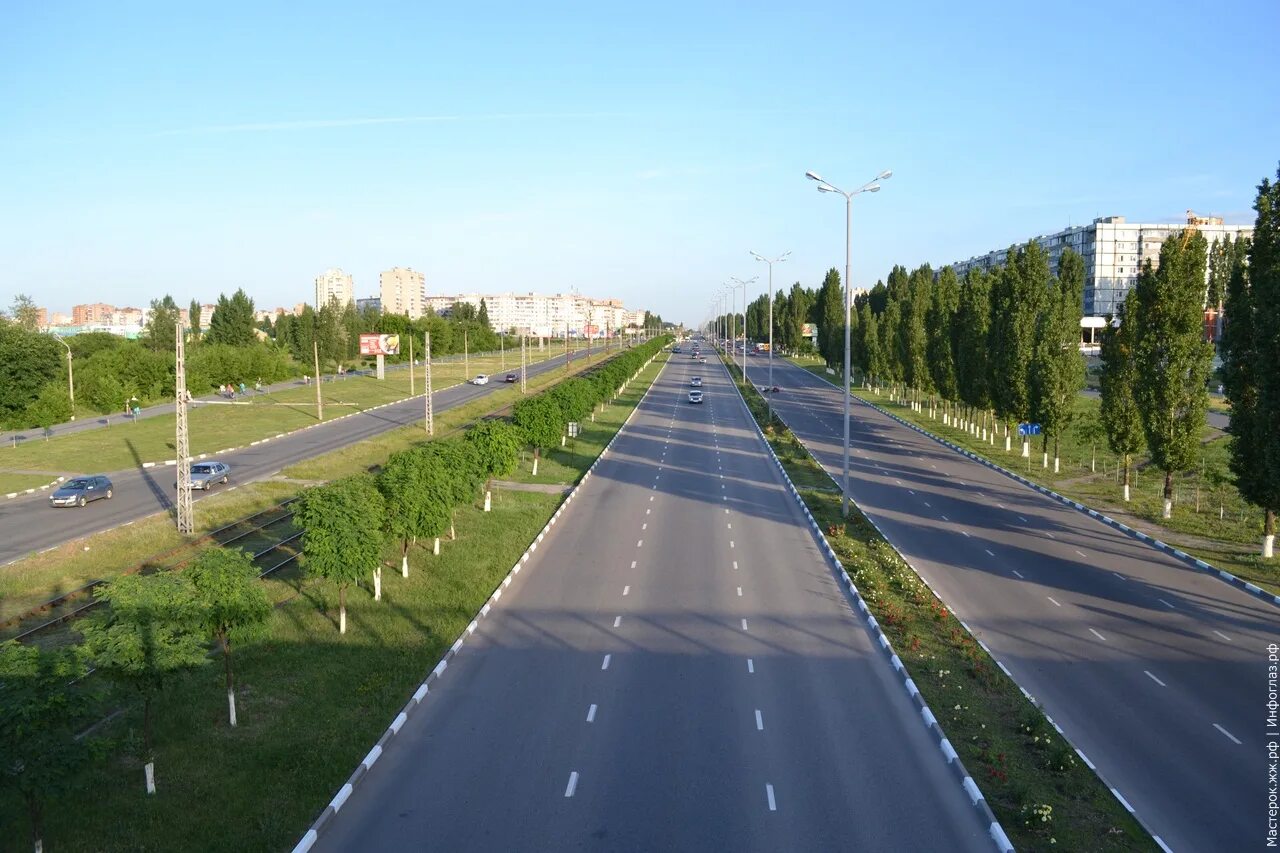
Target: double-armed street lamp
{"x":737,"y":282}
{"x":826,"y":186}
{"x":777,"y":260}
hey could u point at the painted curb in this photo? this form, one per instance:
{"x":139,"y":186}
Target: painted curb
{"x":1183,"y":556}
{"x":952,"y":759}
{"x":310,"y":837}
{"x":34,"y":489}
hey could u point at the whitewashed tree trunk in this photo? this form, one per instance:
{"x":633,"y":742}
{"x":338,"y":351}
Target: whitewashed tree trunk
{"x":1044,"y":462}
{"x":1055,"y":464}
{"x":231,"y":706}
{"x":342,"y":619}
{"x":1168,"y":509}
{"x":1126,"y":492}
{"x":488,"y":501}
{"x":1007,"y":439}
{"x":535,"y":464}
{"x":39,"y":845}
{"x":435,"y":547}
{"x":150,"y":771}
{"x":1268,"y":546}
{"x":562,"y":440}
{"x":377,"y":584}
{"x":1026,"y":449}
{"x":404,"y":565}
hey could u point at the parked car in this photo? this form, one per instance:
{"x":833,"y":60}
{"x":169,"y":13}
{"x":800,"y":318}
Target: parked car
{"x":511,"y":377}
{"x":80,"y":491}
{"x":695,"y":396}
{"x":205,"y":474}
{"x":480,"y":379}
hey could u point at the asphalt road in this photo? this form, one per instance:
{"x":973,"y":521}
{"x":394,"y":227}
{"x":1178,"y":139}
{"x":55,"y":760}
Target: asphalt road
{"x":1217,"y":420}
{"x":1155,"y":670}
{"x":676,"y":669}
{"x":29,"y":524}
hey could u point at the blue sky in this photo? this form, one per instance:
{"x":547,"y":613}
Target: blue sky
{"x":634,"y":152}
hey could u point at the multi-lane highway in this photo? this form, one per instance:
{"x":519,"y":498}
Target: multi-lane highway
{"x":29,"y":524}
{"x":1155,"y":670}
{"x":675,"y":669}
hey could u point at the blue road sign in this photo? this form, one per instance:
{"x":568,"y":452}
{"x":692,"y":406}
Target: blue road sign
{"x":1028,"y":429}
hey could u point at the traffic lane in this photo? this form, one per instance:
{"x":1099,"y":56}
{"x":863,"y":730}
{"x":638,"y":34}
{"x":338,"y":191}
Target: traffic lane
{"x":1134,"y":712}
{"x":28,"y":525}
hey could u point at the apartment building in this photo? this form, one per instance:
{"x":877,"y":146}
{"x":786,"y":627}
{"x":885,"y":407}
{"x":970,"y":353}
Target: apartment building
{"x":545,"y":316}
{"x":334,"y":284}
{"x":95,"y":313}
{"x":403,"y":291}
{"x":1114,"y":250}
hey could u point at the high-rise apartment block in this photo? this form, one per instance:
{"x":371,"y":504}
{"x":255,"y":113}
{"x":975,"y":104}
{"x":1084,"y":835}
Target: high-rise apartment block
{"x":99,"y":313}
{"x":334,"y":284}
{"x":1114,"y":250}
{"x":403,"y":291}
{"x":546,"y":316}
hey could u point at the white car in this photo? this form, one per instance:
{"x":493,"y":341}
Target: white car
{"x":695,"y":396}
{"x":480,"y":379}
{"x":695,"y":382}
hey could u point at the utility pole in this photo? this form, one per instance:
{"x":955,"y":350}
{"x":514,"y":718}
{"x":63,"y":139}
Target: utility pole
{"x":186,"y":513}
{"x":411,"y":364}
{"x":524,"y":360}
{"x":502,"y":350}
{"x":315,"y":354}
{"x":71,"y":379}
{"x":466,"y":360}
{"x":430,"y":413}
{"x":566,"y":345}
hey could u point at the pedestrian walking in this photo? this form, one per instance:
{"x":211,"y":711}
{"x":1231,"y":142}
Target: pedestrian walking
{"x":241,"y":389}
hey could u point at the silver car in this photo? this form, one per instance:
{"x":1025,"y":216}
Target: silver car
{"x":205,"y":474}
{"x":79,"y":491}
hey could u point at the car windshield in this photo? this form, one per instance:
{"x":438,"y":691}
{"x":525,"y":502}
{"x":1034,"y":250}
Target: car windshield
{"x":78,"y":484}
{"x":201,"y":469}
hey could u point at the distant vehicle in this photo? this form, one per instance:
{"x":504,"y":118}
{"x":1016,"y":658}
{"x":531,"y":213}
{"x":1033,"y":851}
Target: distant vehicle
{"x":695,"y":382}
{"x":510,"y":377}
{"x":80,"y":491}
{"x":480,"y":379}
{"x":205,"y":474}
{"x":702,"y":359}
{"x":695,"y":396}
{"x":675,"y":349}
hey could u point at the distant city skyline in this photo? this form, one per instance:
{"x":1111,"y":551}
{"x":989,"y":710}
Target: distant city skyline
{"x":641,"y":153}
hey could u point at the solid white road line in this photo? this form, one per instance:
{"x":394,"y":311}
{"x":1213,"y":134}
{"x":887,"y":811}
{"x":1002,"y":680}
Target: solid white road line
{"x":1082,"y":553}
{"x":573,"y":784}
{"x":768,"y":790}
{"x":759,"y":721}
{"x":1018,"y":573}
{"x":989,"y":554}
{"x":591,"y":714}
{"x":966,"y":533}
{"x":605,"y":663}
{"x":1156,"y":680}
{"x":1054,"y":600}
{"x":1122,"y":577}
{"x":1234,"y":739}
{"x":1166,"y":604}
{"x":1050,"y":535}
{"x":1223,"y":636}
{"x":751,"y":666}
{"x":617,"y":620}
{"x":1096,"y":634}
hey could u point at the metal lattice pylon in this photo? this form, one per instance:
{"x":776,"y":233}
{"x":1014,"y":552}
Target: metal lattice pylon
{"x":430,"y":414}
{"x":524,"y":360}
{"x":186,"y":512}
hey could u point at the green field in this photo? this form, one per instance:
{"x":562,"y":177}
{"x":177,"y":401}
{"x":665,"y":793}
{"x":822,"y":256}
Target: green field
{"x":10,"y":482}
{"x":311,"y":701}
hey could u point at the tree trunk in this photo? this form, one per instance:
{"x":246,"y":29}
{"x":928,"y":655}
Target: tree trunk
{"x":435,"y":547}
{"x":404,"y":558}
{"x":488,"y":500}
{"x":35,"y":816}
{"x":149,"y":769}
{"x":1126,"y":477}
{"x":377,"y":583}
{"x":1093,"y":459}
{"x":1269,"y":534}
{"x":453,"y":534}
{"x":231,"y":689}
{"x":342,"y":610}
{"x":535,"y":462}
{"x":1167,"y":512}
{"x":1055,"y":454}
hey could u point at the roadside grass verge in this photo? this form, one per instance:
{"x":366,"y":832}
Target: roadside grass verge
{"x":1027,"y":771}
{"x":10,"y":482}
{"x":311,"y":702}
{"x":1210,"y":519}
{"x":37,"y":578}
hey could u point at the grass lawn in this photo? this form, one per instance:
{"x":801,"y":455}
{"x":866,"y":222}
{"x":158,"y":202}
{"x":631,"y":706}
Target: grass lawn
{"x":18,"y":482}
{"x":311,"y":702}
{"x":1210,"y":519}
{"x":1021,"y":763}
{"x":218,"y":426}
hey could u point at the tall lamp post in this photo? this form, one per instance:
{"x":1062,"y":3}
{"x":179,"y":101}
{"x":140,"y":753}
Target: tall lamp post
{"x":737,"y":282}
{"x":825,"y":186}
{"x":71,"y":380}
{"x":777,"y":260}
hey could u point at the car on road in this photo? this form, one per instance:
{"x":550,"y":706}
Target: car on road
{"x":79,"y":491}
{"x":205,"y":474}
{"x":702,"y":359}
{"x":510,"y":377}
{"x":480,"y":379}
{"x":695,"y":396}
{"x":767,"y":390}
{"x":695,"y":382}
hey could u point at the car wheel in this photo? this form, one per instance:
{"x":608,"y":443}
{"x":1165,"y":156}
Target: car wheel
{"x":224,"y":481}
{"x":83,"y":501}
{"x":108,"y":494}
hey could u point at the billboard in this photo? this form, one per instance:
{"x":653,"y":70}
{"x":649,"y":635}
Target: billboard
{"x":379,"y":344}
{"x":808,"y":330}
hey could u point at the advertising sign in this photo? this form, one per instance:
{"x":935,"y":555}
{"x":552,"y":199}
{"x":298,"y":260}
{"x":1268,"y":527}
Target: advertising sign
{"x":808,"y":330}
{"x":379,"y":344}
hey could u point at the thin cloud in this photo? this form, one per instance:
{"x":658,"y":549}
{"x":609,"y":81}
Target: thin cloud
{"x":313,"y":124}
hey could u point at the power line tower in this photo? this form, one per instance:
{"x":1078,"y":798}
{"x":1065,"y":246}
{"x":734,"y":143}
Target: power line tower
{"x":524,"y":361}
{"x":429,"y":412}
{"x":186,"y":513}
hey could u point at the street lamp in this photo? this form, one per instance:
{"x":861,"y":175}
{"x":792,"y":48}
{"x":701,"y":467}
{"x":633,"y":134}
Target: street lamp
{"x":777,"y":260}
{"x":71,"y":381}
{"x":825,"y":186}
{"x":737,"y":282}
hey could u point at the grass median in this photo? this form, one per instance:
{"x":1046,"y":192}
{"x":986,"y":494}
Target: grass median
{"x":1210,"y":519}
{"x":11,"y":482}
{"x":311,"y":701}
{"x":1042,"y":794}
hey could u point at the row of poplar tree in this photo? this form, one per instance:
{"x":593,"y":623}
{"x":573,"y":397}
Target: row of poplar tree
{"x":155,"y":627}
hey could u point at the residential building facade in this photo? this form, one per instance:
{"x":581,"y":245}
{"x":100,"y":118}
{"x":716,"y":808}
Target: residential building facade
{"x":335,"y":284}
{"x":403,"y":291}
{"x":545,"y":316}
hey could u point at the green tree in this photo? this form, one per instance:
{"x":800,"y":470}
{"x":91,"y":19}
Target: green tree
{"x":51,"y":406}
{"x":873,"y":352}
{"x":25,"y":313}
{"x":234,"y":604}
{"x":1221,"y":255}
{"x":460,"y":459}
{"x":1089,"y":430}
{"x":1057,"y":367}
{"x":482,"y":316}
{"x":890,"y":360}
{"x":973,"y":362}
{"x":913,"y":333}
{"x":150,"y":633}
{"x":415,"y":498}
{"x":1118,"y":409}
{"x":1250,"y":355}
{"x":497,"y":443}
{"x":1172,"y":357}
{"x":40,"y":711}
{"x":329,"y":334}
{"x":193,"y":318}
{"x":232,"y":322}
{"x":342,"y":540}
{"x":162,"y":324}
{"x":830,"y":319}
{"x":540,"y":422}
{"x":942,"y":335}
{"x":1017,"y":290}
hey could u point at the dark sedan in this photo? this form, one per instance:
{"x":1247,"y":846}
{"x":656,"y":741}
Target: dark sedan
{"x":80,"y":491}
